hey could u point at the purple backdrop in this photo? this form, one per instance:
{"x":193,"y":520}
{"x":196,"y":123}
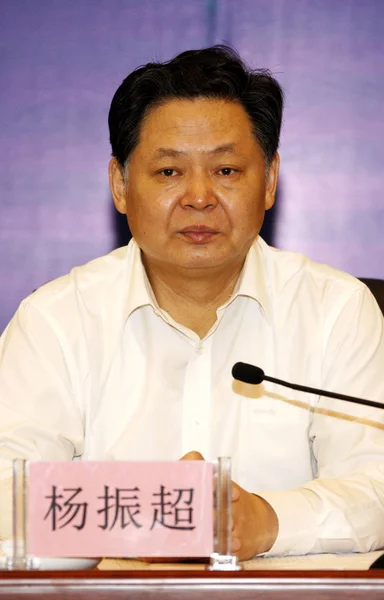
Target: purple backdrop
{"x":61,"y":62}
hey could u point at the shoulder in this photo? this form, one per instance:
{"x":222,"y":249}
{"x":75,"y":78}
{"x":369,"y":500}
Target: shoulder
{"x":329,"y":304}
{"x":86,"y":287}
{"x":295,"y":272}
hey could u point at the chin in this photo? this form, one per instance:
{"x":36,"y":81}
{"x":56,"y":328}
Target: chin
{"x":201,"y":262}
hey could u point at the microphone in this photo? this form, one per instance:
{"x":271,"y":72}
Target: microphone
{"x":254,"y":375}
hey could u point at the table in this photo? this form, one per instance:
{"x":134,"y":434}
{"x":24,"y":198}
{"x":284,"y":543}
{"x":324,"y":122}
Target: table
{"x":192,"y":585}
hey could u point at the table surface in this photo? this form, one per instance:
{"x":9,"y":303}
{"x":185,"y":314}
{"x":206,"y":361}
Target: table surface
{"x":191,"y":584}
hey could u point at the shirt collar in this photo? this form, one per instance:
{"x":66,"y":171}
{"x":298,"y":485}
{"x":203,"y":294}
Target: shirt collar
{"x":139,"y":291}
{"x":252,"y":282}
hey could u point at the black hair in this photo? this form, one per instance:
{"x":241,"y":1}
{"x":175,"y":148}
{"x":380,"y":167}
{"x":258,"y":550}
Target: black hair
{"x":218,"y":73}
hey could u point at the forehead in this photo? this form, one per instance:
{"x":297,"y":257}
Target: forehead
{"x":196,"y":124}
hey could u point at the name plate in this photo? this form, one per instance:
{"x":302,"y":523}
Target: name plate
{"x":120,"y":509}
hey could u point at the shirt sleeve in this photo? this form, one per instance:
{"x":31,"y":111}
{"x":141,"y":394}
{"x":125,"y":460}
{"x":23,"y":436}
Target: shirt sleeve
{"x":342,"y":508}
{"x":40,"y":411}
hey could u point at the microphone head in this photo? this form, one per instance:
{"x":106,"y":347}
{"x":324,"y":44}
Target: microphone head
{"x":247,"y":373}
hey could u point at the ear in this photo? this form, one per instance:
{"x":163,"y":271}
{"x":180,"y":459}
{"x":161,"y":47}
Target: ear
{"x":272,"y":178}
{"x":117,"y":185}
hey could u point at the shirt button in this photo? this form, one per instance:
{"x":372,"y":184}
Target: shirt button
{"x":199,"y":348}
{"x":197,"y":423}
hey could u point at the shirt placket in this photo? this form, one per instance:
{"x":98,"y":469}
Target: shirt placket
{"x":196,"y":413}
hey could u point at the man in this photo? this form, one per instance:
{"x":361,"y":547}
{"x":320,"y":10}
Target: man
{"x":130,"y":356}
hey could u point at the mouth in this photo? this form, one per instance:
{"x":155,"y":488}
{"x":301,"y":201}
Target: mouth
{"x":198,"y":234}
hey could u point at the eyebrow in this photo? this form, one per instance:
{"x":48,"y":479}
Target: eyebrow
{"x":172,"y":153}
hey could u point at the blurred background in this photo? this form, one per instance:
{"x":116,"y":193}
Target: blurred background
{"x":61,"y":61}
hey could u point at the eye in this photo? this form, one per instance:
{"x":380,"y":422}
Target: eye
{"x":168,"y":172}
{"x":227,"y":171}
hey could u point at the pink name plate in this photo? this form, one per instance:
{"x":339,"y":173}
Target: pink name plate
{"x":120,"y":509}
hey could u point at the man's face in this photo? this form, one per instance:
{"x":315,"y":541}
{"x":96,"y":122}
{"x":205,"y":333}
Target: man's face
{"x":196,"y":186}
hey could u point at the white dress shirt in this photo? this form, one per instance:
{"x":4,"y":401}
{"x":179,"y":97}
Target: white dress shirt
{"x":91,"y":367}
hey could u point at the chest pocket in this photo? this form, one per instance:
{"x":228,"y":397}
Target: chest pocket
{"x":274,"y":449}
{"x":263,"y":405}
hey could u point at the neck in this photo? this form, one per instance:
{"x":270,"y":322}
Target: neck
{"x":192,"y":298}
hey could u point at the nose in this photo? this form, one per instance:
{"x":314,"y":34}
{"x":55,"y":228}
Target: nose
{"x":199,"y":193}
